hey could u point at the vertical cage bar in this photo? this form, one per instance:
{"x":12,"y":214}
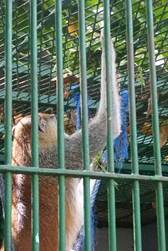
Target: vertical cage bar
{"x":60,"y":131}
{"x":155,"y":126}
{"x":134,"y":150}
{"x":110,"y":79}
{"x":85,"y":138}
{"x":35,"y":139}
{"x":8,"y":122}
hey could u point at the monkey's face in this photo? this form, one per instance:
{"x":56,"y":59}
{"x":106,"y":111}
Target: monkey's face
{"x":47,"y":129}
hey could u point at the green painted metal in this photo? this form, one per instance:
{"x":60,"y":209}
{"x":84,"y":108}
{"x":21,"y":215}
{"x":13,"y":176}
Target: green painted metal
{"x":132,"y":175}
{"x":8,"y":122}
{"x":145,"y":169}
{"x":110,"y":79}
{"x":85,"y":138}
{"x":60,"y":128}
{"x":134,"y":151}
{"x":80,"y":173}
{"x":35,"y":139}
{"x":155,"y":126}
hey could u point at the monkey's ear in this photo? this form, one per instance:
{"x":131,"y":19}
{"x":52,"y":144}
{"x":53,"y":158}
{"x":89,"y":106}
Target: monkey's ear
{"x":17,"y":118}
{"x":42,"y":124}
{"x":13,"y":130}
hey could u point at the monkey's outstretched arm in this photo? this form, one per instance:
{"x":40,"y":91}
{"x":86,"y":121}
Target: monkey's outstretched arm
{"x":98,"y":125}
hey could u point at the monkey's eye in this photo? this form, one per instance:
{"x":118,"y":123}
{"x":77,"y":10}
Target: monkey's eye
{"x":40,"y":129}
{"x":42,"y":125}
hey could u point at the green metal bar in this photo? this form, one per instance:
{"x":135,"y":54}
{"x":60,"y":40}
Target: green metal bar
{"x":85,"y":138}
{"x":60,"y":128}
{"x":8,"y":123}
{"x":155,"y":126}
{"x":35,"y":139}
{"x":110,"y":79}
{"x":134,"y":150}
{"x":81,"y":173}
{"x":145,"y":169}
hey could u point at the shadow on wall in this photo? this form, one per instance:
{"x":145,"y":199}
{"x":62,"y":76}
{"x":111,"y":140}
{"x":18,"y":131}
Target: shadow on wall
{"x":125,"y":238}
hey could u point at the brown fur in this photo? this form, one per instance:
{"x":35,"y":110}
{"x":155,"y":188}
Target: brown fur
{"x":48,"y":194}
{"x":48,"y":216}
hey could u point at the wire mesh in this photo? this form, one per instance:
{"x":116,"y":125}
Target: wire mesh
{"x":46,"y":68}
